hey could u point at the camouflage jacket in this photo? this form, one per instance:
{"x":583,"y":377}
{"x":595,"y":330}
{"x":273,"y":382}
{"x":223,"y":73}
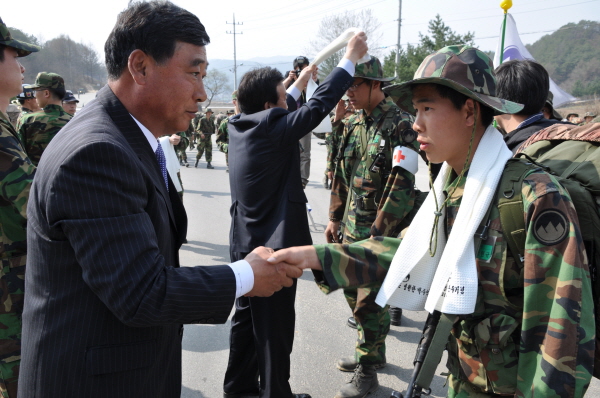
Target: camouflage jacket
{"x":24,"y":111}
{"x":532,"y":331}
{"x":206,"y":126}
{"x":397,"y":191}
{"x":17,"y":175}
{"x":223,"y":136}
{"x":37,"y":129}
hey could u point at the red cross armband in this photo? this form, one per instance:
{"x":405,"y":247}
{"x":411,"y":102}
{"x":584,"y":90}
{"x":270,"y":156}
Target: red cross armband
{"x":406,"y":158}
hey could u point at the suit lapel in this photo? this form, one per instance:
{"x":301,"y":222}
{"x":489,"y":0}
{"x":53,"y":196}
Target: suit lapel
{"x":138,"y":142}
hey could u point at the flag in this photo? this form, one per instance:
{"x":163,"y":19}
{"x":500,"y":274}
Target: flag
{"x":514,"y":49}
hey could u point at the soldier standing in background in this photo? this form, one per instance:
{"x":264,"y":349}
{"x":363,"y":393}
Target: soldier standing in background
{"x":16,"y":172}
{"x":223,"y":137}
{"x":193,"y":135}
{"x":206,"y":128}
{"x":69,"y":103}
{"x":332,"y":141}
{"x":181,"y":147}
{"x":27,"y":101}
{"x":371,"y":199}
{"x":37,"y":129}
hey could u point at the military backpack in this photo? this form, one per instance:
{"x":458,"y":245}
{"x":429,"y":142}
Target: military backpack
{"x":572,"y":155}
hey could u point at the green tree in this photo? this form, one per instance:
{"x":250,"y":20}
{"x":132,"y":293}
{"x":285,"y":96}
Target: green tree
{"x":440,"y":35}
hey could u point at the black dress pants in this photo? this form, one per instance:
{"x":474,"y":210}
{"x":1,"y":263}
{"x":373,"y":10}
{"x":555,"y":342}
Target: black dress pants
{"x":261,"y":340}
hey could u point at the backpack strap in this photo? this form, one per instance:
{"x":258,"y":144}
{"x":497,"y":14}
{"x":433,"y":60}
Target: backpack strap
{"x":510,"y":206}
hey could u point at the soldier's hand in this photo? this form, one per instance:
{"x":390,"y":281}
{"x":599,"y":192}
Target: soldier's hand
{"x":331,"y":232}
{"x":174,"y":139}
{"x":269,"y":278}
{"x":202,"y":136}
{"x":302,"y":257}
{"x":357,"y":47}
{"x":330,"y":175}
{"x":340,"y":110}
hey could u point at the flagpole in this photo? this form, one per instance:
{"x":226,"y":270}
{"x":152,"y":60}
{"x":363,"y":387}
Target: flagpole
{"x":505,"y":5}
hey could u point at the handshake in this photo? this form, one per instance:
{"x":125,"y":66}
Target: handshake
{"x":275,"y":270}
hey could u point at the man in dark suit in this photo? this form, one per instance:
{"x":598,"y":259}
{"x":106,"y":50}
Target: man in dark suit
{"x":106,"y":298}
{"x":269,"y":208}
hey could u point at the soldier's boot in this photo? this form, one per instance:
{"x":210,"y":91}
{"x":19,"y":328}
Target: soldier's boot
{"x":209,"y":166}
{"x":395,"y":316}
{"x":351,"y":322}
{"x":196,"y":164}
{"x":364,"y":381}
{"x":349,"y":364}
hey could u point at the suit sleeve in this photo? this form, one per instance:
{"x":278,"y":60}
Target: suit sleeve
{"x":109,"y":221}
{"x":286,"y":128}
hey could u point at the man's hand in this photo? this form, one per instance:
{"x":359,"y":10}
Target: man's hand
{"x":302,"y":257}
{"x":357,"y":47}
{"x":306,"y":74}
{"x":174,"y":139}
{"x":269,"y":278}
{"x":331,"y":232}
{"x":202,"y":135}
{"x":340,"y":110}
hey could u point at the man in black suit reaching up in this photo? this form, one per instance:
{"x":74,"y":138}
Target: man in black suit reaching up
{"x":269,"y":209}
{"x":106,"y":298}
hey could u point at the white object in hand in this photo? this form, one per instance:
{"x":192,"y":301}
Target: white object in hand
{"x":337,"y":45}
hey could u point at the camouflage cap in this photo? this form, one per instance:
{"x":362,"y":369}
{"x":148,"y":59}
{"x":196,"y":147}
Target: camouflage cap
{"x":69,"y":97}
{"x":590,"y":114}
{"x":572,"y":114}
{"x":27,"y":92}
{"x":234,"y":95}
{"x":462,"y":68}
{"x":23,"y":49}
{"x":230,"y":111}
{"x":48,"y":80}
{"x":372,"y":70}
{"x":209,"y":110}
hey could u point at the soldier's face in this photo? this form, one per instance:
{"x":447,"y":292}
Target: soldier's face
{"x":42,"y":96}
{"x":70,"y":107}
{"x":358,"y":94}
{"x":443,"y":131}
{"x":176,"y":87}
{"x":11,"y":75}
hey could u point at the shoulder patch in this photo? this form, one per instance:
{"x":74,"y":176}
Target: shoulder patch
{"x":550,"y":227}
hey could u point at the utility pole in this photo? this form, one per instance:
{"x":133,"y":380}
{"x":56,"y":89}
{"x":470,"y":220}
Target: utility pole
{"x":234,"y":50}
{"x":398,"y":44}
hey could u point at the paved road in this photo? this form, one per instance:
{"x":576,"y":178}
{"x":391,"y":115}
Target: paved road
{"x":321,"y":332}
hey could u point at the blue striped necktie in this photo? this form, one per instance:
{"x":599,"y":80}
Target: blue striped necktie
{"x":162,"y":162}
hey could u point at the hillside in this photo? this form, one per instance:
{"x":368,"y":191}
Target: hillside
{"x":572,"y":57}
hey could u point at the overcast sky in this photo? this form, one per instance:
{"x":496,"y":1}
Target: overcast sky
{"x":273,"y":28}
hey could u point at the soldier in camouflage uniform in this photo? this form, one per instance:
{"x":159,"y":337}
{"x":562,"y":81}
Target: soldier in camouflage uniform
{"x":17,"y":173}
{"x":332,"y":141}
{"x":195,"y":125}
{"x":27,"y":101}
{"x":181,"y":147}
{"x":532,"y":332}
{"x":206,"y":128}
{"x":360,"y":198}
{"x":223,"y":137}
{"x":37,"y":129}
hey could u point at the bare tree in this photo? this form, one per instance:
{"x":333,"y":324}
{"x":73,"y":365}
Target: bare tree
{"x":334,"y":25}
{"x":215,"y":83}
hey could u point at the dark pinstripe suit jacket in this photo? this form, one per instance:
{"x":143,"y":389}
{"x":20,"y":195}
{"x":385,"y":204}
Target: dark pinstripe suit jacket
{"x":105,"y":295}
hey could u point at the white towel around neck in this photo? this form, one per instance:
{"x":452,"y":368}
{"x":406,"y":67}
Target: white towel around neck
{"x":414,"y":280}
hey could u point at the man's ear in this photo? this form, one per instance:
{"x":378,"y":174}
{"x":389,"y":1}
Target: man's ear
{"x":470,"y":108}
{"x":269,"y":105}
{"x":137,"y":65}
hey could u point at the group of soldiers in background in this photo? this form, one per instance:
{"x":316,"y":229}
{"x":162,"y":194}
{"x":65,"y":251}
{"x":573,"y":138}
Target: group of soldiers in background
{"x":45,"y":107}
{"x":588,"y":117}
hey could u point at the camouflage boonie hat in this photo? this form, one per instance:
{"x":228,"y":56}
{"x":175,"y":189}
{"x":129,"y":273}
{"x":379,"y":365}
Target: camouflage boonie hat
{"x":549,"y":100}
{"x":23,"y":49}
{"x":462,"y":68}
{"x":69,"y":97}
{"x":48,"y":80}
{"x":372,"y":70}
{"x":209,"y":110}
{"x":27,"y":92}
{"x":234,"y":95}
{"x":590,"y":114}
{"x":230,"y":111}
